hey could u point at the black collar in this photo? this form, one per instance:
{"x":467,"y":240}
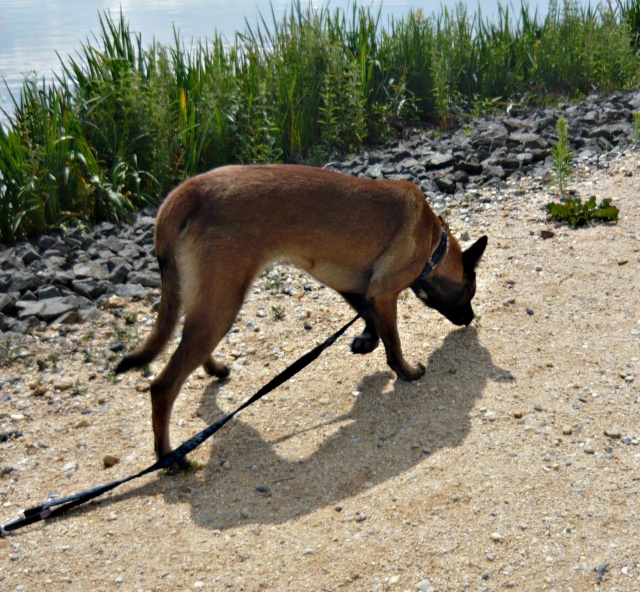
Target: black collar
{"x":437,"y":256}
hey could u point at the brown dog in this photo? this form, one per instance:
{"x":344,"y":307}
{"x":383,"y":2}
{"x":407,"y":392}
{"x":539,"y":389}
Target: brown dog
{"x":369,"y":240}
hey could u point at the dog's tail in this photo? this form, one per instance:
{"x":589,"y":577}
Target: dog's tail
{"x":172,"y":220}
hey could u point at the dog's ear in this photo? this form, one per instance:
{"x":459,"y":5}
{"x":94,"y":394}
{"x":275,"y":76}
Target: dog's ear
{"x":472,"y":255}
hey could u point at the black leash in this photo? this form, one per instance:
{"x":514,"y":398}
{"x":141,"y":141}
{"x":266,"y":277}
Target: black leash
{"x":59,"y":506}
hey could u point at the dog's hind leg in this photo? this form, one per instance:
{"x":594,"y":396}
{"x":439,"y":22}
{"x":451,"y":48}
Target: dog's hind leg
{"x":205,"y":325}
{"x":368,"y":340}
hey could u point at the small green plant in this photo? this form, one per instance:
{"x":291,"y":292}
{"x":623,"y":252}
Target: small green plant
{"x":575,"y":213}
{"x":278,"y":312}
{"x":53,"y":359}
{"x":561,"y":155}
{"x":636,"y":128}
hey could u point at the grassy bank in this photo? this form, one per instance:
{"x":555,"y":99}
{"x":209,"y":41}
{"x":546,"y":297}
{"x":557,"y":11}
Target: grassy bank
{"x":125,"y":121}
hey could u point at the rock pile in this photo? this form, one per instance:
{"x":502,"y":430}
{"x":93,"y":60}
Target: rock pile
{"x":62,"y":278}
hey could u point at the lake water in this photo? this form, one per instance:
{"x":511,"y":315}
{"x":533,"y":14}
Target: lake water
{"x":34,"y":32}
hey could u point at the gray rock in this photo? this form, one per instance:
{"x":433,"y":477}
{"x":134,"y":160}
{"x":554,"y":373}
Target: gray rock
{"x":45,"y":310}
{"x":446,"y":184}
{"x":146,"y":278}
{"x":91,"y":269}
{"x":89,"y":288}
{"x":130,"y":291}
{"x":439,"y":161}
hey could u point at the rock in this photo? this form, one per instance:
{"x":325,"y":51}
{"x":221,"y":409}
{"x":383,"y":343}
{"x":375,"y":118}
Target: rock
{"x":496,"y":537}
{"x":613,"y":433}
{"x":109,"y":461}
{"x":89,"y":288}
{"x":146,"y":278}
{"x":91,"y":269}
{"x":130,"y":291}
{"x":46,"y":310}
{"x":424,"y":586}
{"x":439,"y":161}
{"x":114,"y":302}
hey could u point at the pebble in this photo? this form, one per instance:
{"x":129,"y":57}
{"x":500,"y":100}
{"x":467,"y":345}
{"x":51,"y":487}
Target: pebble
{"x":424,"y":586}
{"x":613,"y":433}
{"x":83,"y":423}
{"x":496,"y":537}
{"x":109,"y":461}
{"x":115,"y":302}
{"x":567,"y":430}
{"x":63,"y":385}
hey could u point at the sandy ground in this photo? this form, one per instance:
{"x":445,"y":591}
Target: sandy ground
{"x":492,"y":472}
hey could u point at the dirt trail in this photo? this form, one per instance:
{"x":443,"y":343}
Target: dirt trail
{"x":492,"y":472}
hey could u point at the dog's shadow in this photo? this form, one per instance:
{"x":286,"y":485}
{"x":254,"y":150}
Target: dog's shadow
{"x":383,"y":435}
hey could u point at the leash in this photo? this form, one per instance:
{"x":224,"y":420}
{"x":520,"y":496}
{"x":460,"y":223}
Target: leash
{"x":59,"y":506}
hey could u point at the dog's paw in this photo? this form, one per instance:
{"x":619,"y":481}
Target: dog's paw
{"x":180,"y":466}
{"x":365,"y":343}
{"x":215,"y":368}
{"x":409,"y":373}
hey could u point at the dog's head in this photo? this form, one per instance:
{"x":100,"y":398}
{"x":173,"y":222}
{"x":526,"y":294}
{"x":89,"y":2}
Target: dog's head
{"x":451,"y":286}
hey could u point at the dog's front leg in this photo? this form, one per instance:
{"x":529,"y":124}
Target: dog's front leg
{"x":368,"y":340}
{"x":385,"y":312}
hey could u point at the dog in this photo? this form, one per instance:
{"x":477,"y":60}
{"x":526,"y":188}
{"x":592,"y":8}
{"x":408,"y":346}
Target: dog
{"x":367,"y":239}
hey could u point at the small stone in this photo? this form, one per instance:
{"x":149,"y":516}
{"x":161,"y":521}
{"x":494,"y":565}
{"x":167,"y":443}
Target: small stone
{"x":143,"y":387}
{"x":226,"y":465}
{"x":490,"y":416}
{"x":496,"y":537}
{"x":613,"y":433}
{"x":109,"y":461}
{"x":567,"y":431}
{"x":115,"y":302}
{"x":517,"y":414}
{"x":424,"y":586}
{"x":546,"y":234}
{"x":394,"y":580}
{"x":83,"y":423}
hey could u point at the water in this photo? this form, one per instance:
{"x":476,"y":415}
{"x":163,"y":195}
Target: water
{"x":34,"y":32}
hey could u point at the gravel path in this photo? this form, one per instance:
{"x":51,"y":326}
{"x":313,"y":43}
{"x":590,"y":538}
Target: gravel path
{"x":512,"y":464}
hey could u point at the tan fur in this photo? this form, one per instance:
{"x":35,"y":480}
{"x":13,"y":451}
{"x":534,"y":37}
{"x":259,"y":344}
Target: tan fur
{"x":369,"y":240}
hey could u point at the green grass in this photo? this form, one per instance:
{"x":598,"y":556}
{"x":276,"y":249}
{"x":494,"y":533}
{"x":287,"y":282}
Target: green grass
{"x":125,"y":122}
